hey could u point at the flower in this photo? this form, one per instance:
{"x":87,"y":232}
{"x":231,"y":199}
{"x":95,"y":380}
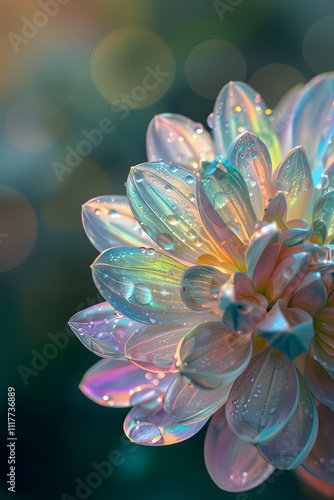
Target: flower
{"x":218,"y":275}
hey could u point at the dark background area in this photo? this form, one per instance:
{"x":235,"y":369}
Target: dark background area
{"x":50,"y":91}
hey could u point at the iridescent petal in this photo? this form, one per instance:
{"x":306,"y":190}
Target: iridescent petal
{"x":292,"y":445}
{"x":262,"y":253}
{"x":324,"y":210}
{"x":103,"y":330}
{"x":311,"y":294}
{"x":175,"y":138}
{"x":299,"y":230}
{"x":238,"y":108}
{"x":163,"y":199}
{"x":287,"y":275}
{"x":283,"y":117}
{"x":242,"y":309}
{"x":313,"y":121}
{"x":153,"y":347}
{"x":200,"y":286}
{"x":320,"y":461}
{"x":287,"y":328}
{"x":211,"y":356}
{"x":232,"y":464}
{"x":227,"y":192}
{"x":118,"y":383}
{"x":293,"y":177}
{"x":276,"y":211}
{"x":109,"y":222}
{"x":251,"y":157}
{"x":319,"y":381}
{"x":263,"y":398}
{"x":189,"y":404}
{"x":323,"y":351}
{"x":153,"y":427}
{"x":141,"y":283}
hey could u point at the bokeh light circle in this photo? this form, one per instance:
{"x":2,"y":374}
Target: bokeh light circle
{"x":212,"y":64}
{"x":318,"y":45}
{"x":132,"y":68}
{"x":18,"y":228}
{"x":33,"y":123}
{"x":274,"y":80}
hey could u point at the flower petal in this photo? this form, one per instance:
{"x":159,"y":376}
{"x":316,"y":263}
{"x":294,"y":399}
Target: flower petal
{"x":263,"y":398}
{"x":211,"y":356}
{"x":232,"y":464}
{"x":200,"y":287}
{"x":163,"y":199}
{"x":295,"y":441}
{"x":153,"y":427}
{"x":103,"y":330}
{"x":141,"y":283}
{"x":293,"y":177}
{"x":118,"y":383}
{"x":319,"y":381}
{"x":189,"y":404}
{"x":320,"y":461}
{"x":250,"y":156}
{"x":175,"y":138}
{"x":287,"y":328}
{"x":109,"y":222}
{"x":153,"y":348}
{"x":324,"y":211}
{"x":311,"y":294}
{"x":238,"y":108}
{"x":262,"y":253}
{"x":227,"y":192}
{"x":276,"y":211}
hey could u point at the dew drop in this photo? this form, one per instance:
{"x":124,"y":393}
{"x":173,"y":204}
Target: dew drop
{"x":97,"y":211}
{"x":165,"y":240}
{"x":127,"y":287}
{"x":142,"y":294}
{"x":189,"y":179}
{"x":144,"y":432}
{"x":172,"y":220}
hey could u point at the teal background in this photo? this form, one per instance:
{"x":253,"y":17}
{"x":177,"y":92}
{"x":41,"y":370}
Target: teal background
{"x":60,"y":432}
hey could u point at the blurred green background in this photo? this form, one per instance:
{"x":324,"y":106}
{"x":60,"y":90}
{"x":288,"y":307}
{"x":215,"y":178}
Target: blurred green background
{"x":65,"y":64}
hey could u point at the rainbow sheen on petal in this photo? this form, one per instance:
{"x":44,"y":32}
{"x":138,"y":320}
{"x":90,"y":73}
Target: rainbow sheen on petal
{"x":324,"y":211}
{"x":263,"y":398}
{"x":319,"y":381}
{"x":119,"y":383}
{"x":175,"y":138}
{"x":233,"y":464}
{"x":200,"y":287}
{"x":153,"y":427}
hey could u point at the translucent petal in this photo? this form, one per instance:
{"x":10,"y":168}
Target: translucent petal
{"x":153,"y":427}
{"x":319,"y":381}
{"x":323,"y":352}
{"x":232,"y":250}
{"x":154,"y":347}
{"x":287,"y":328}
{"x":211,"y":356}
{"x":227,"y":192}
{"x":175,"y":138}
{"x":200,"y":286}
{"x":293,"y":177}
{"x":292,"y":445}
{"x":262,"y":253}
{"x":320,"y":461}
{"x":232,"y":464}
{"x":141,"y":283}
{"x":251,"y":157}
{"x":299,"y":230}
{"x":324,"y":210}
{"x":276,"y":211}
{"x":311,"y":294}
{"x":313,"y":121}
{"x":163,"y":199}
{"x":109,"y":222}
{"x":189,"y":404}
{"x":242,"y":309}
{"x":238,"y":108}
{"x":287,"y":275}
{"x":112,"y":382}
{"x":263,"y":398}
{"x":103,"y":330}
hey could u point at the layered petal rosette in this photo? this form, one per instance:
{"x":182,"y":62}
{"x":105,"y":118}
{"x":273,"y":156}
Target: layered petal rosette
{"x":218,"y":274}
